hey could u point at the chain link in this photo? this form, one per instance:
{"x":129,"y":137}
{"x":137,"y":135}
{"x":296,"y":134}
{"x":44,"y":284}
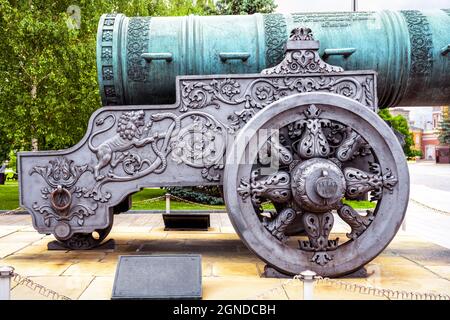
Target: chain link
{"x":430,"y":208}
{"x":176,"y":198}
{"x":11,"y":212}
{"x":280,"y":288}
{"x":195,"y":203}
{"x":150,"y":200}
{"x":46,"y":292}
{"x":357,"y":288}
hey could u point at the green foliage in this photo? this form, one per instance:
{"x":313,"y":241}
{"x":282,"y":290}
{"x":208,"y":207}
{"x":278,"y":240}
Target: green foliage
{"x":48,"y":78}
{"x":400,"y":124}
{"x":444,"y":130}
{"x":12,"y":161}
{"x":416,"y":153}
{"x":230,"y":7}
{"x":199,"y":194}
{"x":5,"y":144}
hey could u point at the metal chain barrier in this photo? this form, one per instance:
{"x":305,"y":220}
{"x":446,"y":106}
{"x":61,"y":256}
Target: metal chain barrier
{"x":42,"y":290}
{"x":430,"y":208}
{"x":150,"y":200}
{"x":380,"y":292}
{"x":196,"y":203}
{"x":11,"y":212}
{"x":278,"y":289}
{"x":203,"y":205}
{"x":353,"y":287}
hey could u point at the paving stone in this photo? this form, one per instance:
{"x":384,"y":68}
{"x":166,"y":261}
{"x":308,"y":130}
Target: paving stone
{"x":92,"y":268}
{"x":71,"y":287}
{"x":9,"y":248}
{"x":231,"y":288}
{"x":385,"y":259}
{"x":36,"y":268}
{"x":4,"y":231}
{"x":442,"y":271}
{"x":20,"y":236}
{"x":33,"y":249}
{"x":230,"y":270}
{"x":413,"y":284}
{"x":235,"y":269}
{"x":99,"y":289}
{"x":324,"y":291}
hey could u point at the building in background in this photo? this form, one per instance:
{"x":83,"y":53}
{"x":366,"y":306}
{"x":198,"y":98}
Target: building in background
{"x":424,"y":126}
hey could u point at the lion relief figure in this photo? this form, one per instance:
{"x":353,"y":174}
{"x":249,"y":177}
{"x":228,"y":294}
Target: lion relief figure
{"x":129,"y":135}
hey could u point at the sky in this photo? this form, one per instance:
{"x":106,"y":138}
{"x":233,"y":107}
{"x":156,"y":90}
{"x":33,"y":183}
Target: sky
{"x":288,"y":6}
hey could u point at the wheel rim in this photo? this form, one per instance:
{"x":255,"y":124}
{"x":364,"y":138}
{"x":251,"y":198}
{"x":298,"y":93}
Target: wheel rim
{"x":388,"y":213}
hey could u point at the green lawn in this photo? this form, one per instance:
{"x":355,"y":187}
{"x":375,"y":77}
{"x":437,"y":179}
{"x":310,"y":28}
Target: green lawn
{"x":9,"y":195}
{"x":9,"y":199}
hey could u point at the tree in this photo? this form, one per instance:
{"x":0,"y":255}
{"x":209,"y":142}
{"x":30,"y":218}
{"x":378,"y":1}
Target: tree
{"x":400,"y":124}
{"x":444,"y":129}
{"x":48,"y":78}
{"x":230,"y":7}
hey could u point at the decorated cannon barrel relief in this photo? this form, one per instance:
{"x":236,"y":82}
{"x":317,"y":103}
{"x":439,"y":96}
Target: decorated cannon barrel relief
{"x":138,"y":58}
{"x":302,"y":136}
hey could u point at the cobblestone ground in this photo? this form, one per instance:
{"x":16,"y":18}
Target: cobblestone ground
{"x":418,"y":259}
{"x":230,"y":270}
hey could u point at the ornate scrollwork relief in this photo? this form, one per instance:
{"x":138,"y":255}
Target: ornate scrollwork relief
{"x":278,"y":225}
{"x":352,"y":146}
{"x":110,"y":92}
{"x":332,"y":19}
{"x":357,"y":222}
{"x":194,"y":138}
{"x":421,"y":40}
{"x":302,"y":70}
{"x":314,"y":180}
{"x":61,"y":176}
{"x":137,"y":44}
{"x":360,"y":182}
{"x":313,"y":142}
{"x":275,"y":187}
{"x":318,"y":228}
{"x":275,"y":30}
{"x":253,"y":95}
{"x":302,"y":57}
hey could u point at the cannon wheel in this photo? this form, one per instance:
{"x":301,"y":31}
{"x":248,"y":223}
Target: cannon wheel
{"x":326,"y":137}
{"x":86,"y":241}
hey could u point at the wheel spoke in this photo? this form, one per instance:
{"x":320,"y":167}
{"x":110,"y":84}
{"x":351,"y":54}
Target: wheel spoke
{"x":359,"y":182}
{"x":275,"y":187}
{"x":278,"y":225}
{"x":357,"y":222}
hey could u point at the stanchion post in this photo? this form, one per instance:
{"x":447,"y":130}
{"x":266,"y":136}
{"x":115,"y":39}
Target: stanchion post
{"x":308,"y":284}
{"x":167,"y":203}
{"x":6,"y":273}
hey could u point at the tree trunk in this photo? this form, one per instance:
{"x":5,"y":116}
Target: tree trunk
{"x":34,"y":140}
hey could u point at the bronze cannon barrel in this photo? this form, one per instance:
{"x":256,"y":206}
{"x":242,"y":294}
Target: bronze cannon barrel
{"x":138,"y":58}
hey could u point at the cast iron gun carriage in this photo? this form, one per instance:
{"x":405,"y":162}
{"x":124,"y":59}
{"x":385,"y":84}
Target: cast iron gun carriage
{"x":267,"y":118}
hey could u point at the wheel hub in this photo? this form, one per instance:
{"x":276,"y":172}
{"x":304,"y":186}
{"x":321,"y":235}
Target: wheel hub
{"x":317,"y":185}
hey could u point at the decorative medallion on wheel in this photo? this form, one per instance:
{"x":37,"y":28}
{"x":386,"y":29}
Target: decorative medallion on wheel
{"x":306,"y":155}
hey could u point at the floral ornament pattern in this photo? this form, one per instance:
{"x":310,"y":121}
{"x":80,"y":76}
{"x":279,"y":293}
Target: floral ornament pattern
{"x":312,"y":181}
{"x":61,"y":175}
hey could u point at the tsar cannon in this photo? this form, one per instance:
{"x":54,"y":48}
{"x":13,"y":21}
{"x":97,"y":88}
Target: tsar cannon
{"x":256,"y":105}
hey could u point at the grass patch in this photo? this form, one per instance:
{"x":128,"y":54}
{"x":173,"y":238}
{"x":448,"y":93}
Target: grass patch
{"x":140,"y":203}
{"x":9,"y":195}
{"x":9,"y":200}
{"x":360,"y":204}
